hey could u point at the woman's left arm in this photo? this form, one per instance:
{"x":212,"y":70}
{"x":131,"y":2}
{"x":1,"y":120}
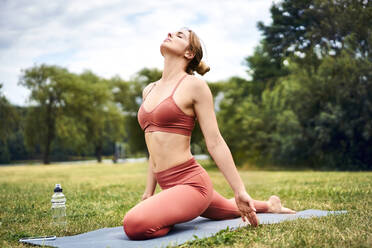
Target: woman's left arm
{"x":217,"y":147}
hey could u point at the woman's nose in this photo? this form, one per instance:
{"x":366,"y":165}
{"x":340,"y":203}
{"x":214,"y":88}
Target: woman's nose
{"x":169,"y":35}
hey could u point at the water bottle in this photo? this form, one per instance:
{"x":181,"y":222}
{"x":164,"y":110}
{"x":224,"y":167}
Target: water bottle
{"x":59,"y":207}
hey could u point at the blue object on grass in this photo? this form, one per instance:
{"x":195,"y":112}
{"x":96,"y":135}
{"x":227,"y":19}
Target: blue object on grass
{"x":200,"y":227}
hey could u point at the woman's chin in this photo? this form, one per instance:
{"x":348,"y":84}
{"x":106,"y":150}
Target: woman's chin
{"x":164,"y":49}
{"x":161,"y":50}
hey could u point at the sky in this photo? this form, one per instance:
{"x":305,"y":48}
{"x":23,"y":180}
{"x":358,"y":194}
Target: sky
{"x":112,"y":37}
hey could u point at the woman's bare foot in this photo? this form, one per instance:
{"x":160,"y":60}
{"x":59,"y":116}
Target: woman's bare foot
{"x":275,"y":206}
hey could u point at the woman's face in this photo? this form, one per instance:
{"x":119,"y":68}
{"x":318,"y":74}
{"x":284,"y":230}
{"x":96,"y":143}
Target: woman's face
{"x":176,"y":42}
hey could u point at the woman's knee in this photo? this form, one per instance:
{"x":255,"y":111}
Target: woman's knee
{"x":139,"y":228}
{"x":135,"y":226}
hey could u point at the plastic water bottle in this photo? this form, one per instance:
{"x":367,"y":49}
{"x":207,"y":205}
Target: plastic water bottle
{"x":59,"y":207}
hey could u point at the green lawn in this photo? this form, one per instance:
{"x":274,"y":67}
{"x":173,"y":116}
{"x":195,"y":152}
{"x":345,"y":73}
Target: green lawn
{"x":98,"y":195}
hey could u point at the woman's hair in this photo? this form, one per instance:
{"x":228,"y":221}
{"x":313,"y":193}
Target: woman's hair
{"x":196,"y":64}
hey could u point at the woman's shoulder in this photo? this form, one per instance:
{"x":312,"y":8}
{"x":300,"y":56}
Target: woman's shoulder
{"x":199,"y":87}
{"x":147,"y":88}
{"x":196,"y":82}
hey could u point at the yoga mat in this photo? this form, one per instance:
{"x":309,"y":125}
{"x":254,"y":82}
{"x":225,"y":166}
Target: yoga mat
{"x":201,"y":227}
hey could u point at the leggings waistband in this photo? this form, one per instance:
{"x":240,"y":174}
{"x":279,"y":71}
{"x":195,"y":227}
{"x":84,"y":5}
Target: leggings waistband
{"x":179,"y":173}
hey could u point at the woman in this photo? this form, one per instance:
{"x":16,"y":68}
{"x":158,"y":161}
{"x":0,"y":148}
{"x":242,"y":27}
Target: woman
{"x":167,"y":116}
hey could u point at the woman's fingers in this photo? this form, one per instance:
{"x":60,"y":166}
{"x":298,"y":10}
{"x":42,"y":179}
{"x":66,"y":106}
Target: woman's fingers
{"x":145,"y":196}
{"x":246,"y":206}
{"x":248,"y":214}
{"x":251,"y":205}
{"x":252,"y":217}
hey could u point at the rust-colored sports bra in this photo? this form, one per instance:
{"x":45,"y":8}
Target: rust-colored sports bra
{"x":166,"y":116}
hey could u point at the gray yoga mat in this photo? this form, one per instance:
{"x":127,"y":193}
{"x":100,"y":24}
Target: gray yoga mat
{"x":180,"y":233}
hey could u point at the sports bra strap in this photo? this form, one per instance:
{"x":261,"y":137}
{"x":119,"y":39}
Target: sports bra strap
{"x":178,"y":84}
{"x":149,"y":91}
{"x":173,"y":89}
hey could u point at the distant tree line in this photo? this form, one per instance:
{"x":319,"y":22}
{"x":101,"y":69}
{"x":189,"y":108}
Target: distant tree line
{"x":308,"y":102}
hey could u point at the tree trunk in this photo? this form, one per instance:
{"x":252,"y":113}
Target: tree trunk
{"x":50,"y":119}
{"x":99,"y":152}
{"x":46,"y":150}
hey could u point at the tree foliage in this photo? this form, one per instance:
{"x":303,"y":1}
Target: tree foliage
{"x":48,"y":86}
{"x":74,"y":110}
{"x":9,"y":119}
{"x":309,"y":100}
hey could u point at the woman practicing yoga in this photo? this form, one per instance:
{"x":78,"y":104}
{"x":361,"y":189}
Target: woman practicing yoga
{"x":167,"y":116}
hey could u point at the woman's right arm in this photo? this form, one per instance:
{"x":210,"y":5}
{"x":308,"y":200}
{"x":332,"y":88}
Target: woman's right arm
{"x":151,"y":182}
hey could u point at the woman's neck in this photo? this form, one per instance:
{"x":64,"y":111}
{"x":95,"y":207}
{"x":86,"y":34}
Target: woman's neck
{"x":173,"y":68}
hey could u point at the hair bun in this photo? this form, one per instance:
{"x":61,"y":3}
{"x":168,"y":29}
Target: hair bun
{"x":202,"y":68}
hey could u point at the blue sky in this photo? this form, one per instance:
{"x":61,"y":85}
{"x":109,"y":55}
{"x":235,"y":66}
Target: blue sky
{"x":114,"y":37}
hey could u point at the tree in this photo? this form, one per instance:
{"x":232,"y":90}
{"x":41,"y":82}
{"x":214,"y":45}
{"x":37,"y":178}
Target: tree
{"x":258,"y":131}
{"x":334,"y":108}
{"x":299,"y":26}
{"x":51,"y":88}
{"x":309,"y":100}
{"x":264,"y":69}
{"x":309,"y":30}
{"x":9,"y":118}
{"x":101,"y":117}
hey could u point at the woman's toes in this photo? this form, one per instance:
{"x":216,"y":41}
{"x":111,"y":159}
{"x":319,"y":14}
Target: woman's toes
{"x":287,"y":211}
{"x":275,"y":206}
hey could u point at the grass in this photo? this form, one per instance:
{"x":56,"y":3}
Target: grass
{"x":98,"y":195}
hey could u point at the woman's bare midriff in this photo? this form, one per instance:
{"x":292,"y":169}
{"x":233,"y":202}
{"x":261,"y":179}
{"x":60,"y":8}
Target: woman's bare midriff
{"x":167,"y":149}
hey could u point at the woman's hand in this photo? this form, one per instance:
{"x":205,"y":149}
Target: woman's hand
{"x":246,"y":207}
{"x":146,"y":195}
{"x":151,"y":181}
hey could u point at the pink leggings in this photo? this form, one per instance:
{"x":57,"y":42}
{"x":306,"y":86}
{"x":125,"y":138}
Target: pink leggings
{"x":187,"y":193}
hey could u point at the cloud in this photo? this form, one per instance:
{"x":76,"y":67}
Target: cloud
{"x":121,"y":37}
